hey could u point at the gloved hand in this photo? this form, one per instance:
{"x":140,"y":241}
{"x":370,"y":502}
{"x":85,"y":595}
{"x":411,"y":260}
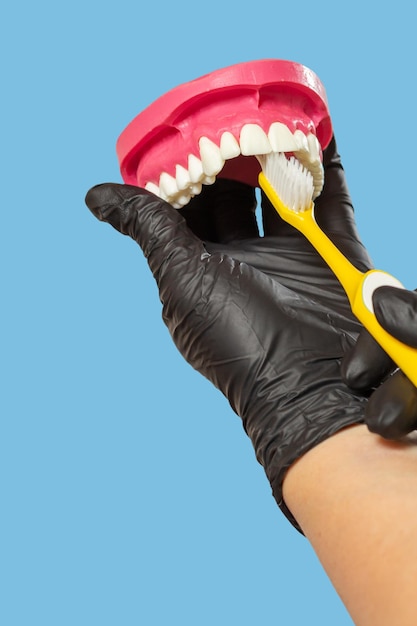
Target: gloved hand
{"x":263,"y":318}
{"x":392,"y":408}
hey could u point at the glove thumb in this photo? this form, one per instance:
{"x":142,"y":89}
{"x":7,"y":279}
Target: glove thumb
{"x":161,"y":232}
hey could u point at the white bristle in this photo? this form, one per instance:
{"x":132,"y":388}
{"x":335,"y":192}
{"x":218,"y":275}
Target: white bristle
{"x":291,"y":180}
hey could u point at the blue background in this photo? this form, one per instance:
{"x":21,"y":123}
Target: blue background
{"x":129,"y":492}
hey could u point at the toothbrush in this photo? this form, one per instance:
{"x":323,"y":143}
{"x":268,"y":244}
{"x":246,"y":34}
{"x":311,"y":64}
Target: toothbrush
{"x":289,"y":186}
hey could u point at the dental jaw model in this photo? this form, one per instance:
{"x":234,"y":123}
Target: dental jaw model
{"x":218,"y":124}
{"x":225,"y":124}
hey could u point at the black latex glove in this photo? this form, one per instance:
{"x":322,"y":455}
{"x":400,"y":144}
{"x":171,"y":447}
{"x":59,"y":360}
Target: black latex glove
{"x":263,"y":318}
{"x":392,"y":408}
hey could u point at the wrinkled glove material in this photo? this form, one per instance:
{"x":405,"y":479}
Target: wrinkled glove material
{"x":264,"y":320}
{"x":296,"y":327}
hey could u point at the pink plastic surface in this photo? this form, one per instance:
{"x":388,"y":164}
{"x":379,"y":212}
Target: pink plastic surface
{"x":260,"y":92}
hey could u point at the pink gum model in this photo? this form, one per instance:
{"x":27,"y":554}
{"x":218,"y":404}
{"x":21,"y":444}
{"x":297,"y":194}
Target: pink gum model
{"x":261,"y":92}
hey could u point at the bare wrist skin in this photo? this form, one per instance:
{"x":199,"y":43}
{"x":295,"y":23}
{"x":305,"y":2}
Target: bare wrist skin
{"x":355,"y":497}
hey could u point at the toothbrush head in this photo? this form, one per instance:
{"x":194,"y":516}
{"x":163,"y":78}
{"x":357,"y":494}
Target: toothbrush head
{"x":290,"y":179}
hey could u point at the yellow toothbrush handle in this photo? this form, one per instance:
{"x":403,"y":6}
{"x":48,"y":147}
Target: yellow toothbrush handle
{"x":361,"y":303}
{"x":359,"y":286}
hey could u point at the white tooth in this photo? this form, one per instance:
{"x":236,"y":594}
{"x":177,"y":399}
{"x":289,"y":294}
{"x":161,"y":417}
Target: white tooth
{"x":211,"y":158}
{"x":153,"y":189}
{"x":229,"y":146}
{"x":182,"y":200}
{"x":303,"y":157}
{"x":314,"y":147}
{"x":318,"y":179}
{"x":253,"y":140}
{"x":312,"y":161}
{"x":301,"y":140}
{"x":315,"y":169}
{"x":195,"y":169}
{"x":195,"y":189}
{"x":281,"y":138}
{"x":168,"y":184}
{"x":317,"y":190}
{"x":208,"y":180}
{"x":182,"y":177}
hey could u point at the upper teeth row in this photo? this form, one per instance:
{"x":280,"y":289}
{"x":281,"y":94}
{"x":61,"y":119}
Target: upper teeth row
{"x":253,"y":141}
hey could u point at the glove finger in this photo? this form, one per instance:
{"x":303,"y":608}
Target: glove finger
{"x":167,"y":243}
{"x":396,"y":311}
{"x":365,"y":364}
{"x":392,"y":409}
